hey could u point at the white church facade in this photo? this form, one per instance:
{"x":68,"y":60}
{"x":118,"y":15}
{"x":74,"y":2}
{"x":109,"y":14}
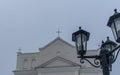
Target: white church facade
{"x":56,"y":58}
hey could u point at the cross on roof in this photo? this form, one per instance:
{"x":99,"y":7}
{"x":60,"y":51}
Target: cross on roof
{"x":58,"y":32}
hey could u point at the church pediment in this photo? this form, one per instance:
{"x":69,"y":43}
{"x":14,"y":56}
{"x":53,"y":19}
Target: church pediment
{"x":58,"y":62}
{"x":57,"y":41}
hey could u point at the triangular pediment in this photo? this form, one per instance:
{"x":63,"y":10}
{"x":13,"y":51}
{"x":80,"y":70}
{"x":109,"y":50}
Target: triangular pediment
{"x":59,"y":41}
{"x":58,"y":62}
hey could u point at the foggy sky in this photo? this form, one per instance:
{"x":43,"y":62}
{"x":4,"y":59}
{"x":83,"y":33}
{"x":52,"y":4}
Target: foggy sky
{"x":31,"y":24}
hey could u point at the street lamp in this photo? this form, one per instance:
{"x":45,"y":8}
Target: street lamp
{"x":114,"y":24}
{"x":108,"y":50}
{"x":108,"y":44}
{"x":81,"y":37}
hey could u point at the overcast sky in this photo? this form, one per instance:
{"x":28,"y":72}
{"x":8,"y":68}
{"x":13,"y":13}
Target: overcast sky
{"x":31,"y":24}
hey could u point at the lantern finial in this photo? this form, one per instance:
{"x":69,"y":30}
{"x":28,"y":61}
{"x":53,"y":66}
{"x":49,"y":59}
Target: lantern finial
{"x":102,"y":41}
{"x":80,"y":28}
{"x":115,"y":10}
{"x":108,"y":38}
{"x":102,"y":44}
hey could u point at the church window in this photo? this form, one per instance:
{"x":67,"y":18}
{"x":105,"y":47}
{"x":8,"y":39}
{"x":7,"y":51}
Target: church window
{"x":25,"y":64}
{"x":33,"y":63}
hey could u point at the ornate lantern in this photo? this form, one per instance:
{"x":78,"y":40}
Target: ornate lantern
{"x":109,"y":45}
{"x":80,"y":38}
{"x":114,"y":24}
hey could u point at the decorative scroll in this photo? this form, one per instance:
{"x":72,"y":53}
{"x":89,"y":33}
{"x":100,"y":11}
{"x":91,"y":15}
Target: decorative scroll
{"x":96,"y":62}
{"x":116,"y":56}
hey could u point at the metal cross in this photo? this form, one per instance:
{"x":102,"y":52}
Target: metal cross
{"x":58,"y":32}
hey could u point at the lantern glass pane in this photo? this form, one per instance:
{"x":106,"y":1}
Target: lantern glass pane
{"x":117,"y":23}
{"x":84,"y":41}
{"x":111,"y":47}
{"x":114,"y":31}
{"x":108,"y":47}
{"x":78,"y":42}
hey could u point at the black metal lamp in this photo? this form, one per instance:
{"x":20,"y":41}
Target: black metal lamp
{"x":108,"y":53}
{"x":114,"y":24}
{"x":109,"y":45}
{"x":81,"y":37}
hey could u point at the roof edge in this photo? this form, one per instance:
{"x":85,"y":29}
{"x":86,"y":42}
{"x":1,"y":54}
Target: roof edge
{"x":58,"y":38}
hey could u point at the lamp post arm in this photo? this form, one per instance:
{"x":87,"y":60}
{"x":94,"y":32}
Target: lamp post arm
{"x":112,"y":51}
{"x":95,"y":60}
{"x":116,"y":56}
{"x":92,"y":56}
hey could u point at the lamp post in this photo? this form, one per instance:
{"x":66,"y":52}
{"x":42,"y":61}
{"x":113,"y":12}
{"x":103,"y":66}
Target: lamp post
{"x":108,"y":50}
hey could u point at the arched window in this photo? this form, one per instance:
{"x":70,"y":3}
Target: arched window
{"x":25,"y":64}
{"x":33,"y":64}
